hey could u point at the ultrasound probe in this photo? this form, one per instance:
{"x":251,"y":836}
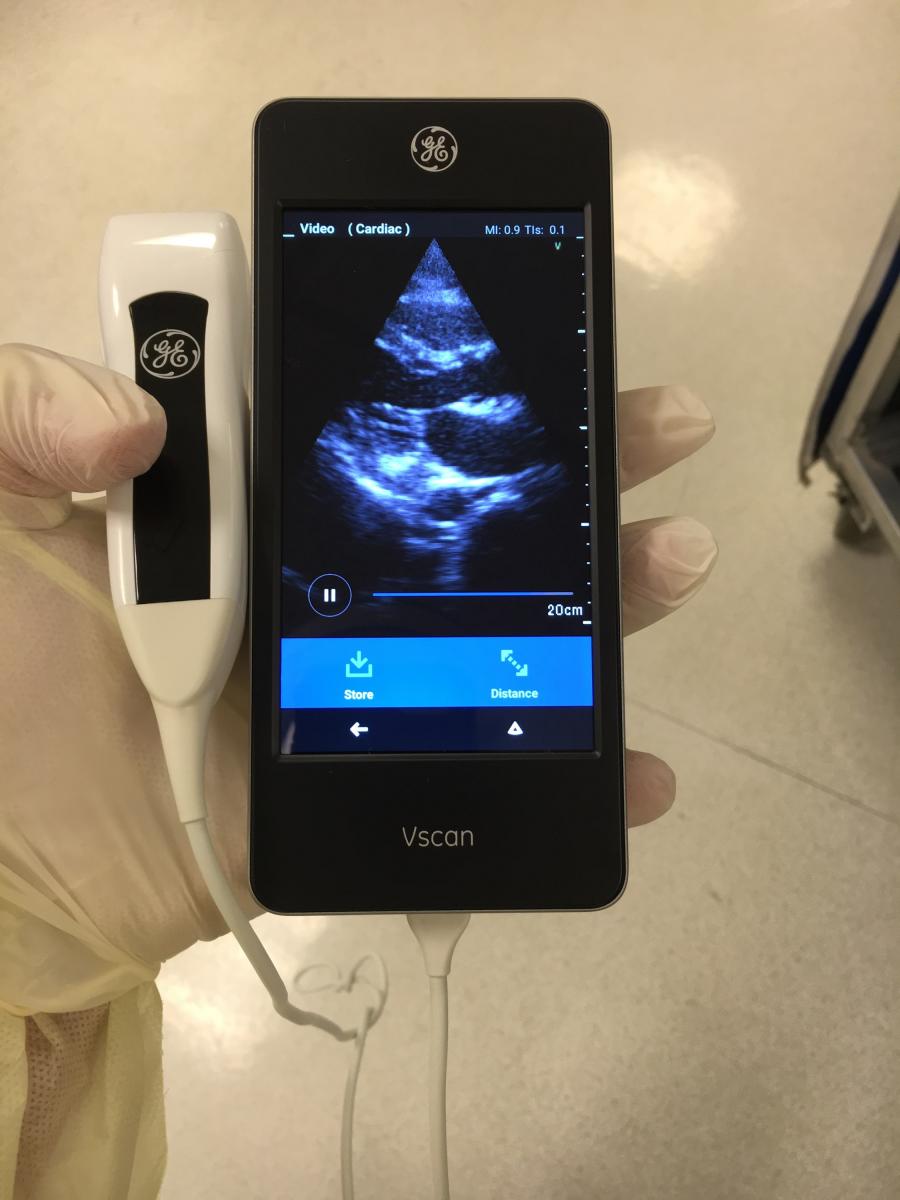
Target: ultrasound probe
{"x":173,"y":296}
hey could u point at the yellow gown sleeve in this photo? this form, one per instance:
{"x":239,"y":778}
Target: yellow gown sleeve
{"x":81,"y":1098}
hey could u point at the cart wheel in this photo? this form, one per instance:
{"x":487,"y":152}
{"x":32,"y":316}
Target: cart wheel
{"x":847,"y":529}
{"x":853,"y":526}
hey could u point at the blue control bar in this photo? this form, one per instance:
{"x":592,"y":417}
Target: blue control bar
{"x":436,"y":672}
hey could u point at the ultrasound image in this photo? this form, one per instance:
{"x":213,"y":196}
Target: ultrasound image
{"x":436,"y":446}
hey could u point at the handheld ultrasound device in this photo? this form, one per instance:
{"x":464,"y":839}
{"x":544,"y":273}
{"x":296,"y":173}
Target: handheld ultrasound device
{"x":436,"y":655}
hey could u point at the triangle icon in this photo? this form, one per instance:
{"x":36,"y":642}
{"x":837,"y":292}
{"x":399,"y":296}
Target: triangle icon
{"x":515,"y":729}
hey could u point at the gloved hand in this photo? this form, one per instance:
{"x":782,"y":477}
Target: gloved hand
{"x":87,"y":815}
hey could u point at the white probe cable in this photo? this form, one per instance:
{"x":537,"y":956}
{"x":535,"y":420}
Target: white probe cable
{"x":437,"y":935}
{"x":379,"y":985}
{"x":158,"y":272}
{"x":183,"y":733}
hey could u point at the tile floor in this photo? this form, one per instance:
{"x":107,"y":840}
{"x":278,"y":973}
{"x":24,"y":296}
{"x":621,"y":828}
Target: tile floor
{"x":730,"y":1029}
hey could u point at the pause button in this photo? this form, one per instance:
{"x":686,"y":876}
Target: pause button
{"x":329,"y":595}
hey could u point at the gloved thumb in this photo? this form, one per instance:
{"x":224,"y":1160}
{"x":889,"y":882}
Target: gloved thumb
{"x":65,"y":426}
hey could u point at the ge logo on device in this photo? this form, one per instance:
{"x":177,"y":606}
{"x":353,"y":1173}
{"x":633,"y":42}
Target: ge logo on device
{"x":434,"y":148}
{"x":170,"y":353}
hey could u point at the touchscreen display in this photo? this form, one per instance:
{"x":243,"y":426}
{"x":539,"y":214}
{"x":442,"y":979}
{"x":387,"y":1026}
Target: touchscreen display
{"x":435,"y":539}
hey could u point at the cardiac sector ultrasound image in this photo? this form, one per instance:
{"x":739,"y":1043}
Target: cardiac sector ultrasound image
{"x":421,"y":462}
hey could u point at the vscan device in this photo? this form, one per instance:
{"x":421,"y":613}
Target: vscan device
{"x":436,"y":659}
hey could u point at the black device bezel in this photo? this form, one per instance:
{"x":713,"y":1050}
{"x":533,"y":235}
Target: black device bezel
{"x":326,"y":831}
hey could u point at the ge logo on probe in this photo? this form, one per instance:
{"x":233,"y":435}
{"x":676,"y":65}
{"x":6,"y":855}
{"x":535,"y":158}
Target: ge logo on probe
{"x":434,"y":148}
{"x":170,"y":353}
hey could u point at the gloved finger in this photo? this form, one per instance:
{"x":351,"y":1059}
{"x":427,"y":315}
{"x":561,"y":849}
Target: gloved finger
{"x":65,"y":426}
{"x":659,"y":426}
{"x":665,"y":561}
{"x":649,"y":786}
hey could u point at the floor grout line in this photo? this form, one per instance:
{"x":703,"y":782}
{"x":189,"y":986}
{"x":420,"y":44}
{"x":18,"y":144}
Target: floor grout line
{"x":768,"y":762}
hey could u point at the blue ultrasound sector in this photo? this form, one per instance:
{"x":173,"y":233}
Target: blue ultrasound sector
{"x":437,"y":440}
{"x":436,"y":672}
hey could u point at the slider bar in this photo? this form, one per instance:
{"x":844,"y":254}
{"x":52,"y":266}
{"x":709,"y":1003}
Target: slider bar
{"x":458,"y":595}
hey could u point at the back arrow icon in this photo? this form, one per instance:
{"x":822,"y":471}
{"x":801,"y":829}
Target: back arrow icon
{"x":356,"y":729}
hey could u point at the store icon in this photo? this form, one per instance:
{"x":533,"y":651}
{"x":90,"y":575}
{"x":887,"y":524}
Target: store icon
{"x":355,"y":667}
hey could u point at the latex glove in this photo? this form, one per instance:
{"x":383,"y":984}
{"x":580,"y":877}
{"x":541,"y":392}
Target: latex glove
{"x":85,"y":797}
{"x":665,"y":560}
